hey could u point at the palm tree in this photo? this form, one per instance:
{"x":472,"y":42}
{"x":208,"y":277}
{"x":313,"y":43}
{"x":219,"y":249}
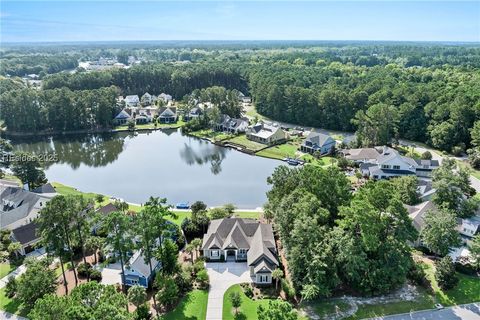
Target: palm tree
{"x":190,"y":248}
{"x":197,"y":243}
{"x":94,"y":244}
{"x":277,"y":274}
{"x":14,"y":248}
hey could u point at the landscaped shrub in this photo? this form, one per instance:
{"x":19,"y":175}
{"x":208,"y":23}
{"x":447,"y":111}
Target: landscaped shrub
{"x":203,"y":279}
{"x":84,"y":269}
{"x":288,"y":289}
{"x":11,"y":287}
{"x":184,"y":280}
{"x":417,"y":276}
{"x":445,"y":273}
{"x":95,"y":275}
{"x":465,"y":268}
{"x":198,"y":266}
{"x":142,"y":312}
{"x":247,"y":289}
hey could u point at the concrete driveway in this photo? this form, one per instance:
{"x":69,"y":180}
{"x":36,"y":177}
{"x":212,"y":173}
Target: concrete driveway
{"x":223,"y":275}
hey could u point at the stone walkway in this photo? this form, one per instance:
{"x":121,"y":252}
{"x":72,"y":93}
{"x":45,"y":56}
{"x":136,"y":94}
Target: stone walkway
{"x":223,"y":275}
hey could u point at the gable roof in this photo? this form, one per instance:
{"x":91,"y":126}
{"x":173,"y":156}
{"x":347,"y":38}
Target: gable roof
{"x":241,"y":233}
{"x":107,"y":209}
{"x":167,"y":111}
{"x":319,"y":139}
{"x":26,"y":234}
{"x":132,"y":99}
{"x":361,"y":154}
{"x":46,"y":188}
{"x":16,"y":204}
{"x":137,"y":263}
{"x":122,"y":115}
{"x":417,"y":213}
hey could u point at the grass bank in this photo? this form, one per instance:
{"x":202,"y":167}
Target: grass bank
{"x":192,"y":307}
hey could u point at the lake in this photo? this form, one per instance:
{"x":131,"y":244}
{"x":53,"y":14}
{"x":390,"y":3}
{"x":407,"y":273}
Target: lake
{"x":135,"y":166}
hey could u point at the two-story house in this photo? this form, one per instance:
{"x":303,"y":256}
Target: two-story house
{"x":318,"y":142}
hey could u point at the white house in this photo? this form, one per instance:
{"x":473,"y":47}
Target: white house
{"x":132,"y":101}
{"x":389,"y":164}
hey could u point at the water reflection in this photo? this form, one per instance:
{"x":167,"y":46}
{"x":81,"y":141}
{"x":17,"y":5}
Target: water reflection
{"x":90,"y":150}
{"x":161,"y":163}
{"x":204,"y":153}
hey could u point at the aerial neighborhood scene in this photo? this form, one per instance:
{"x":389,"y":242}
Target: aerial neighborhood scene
{"x":239,"y":160}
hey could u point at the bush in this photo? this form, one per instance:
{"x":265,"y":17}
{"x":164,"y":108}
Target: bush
{"x":465,"y":268}
{"x":288,"y":289}
{"x":184,"y":280}
{"x":445,"y":273}
{"x":247,"y":289}
{"x":198,"y":266}
{"x":84,"y":269}
{"x":417,"y":276}
{"x":11,"y":287}
{"x":203,"y":279}
{"x":142,"y":312}
{"x":95,"y":275}
{"x":427,"y":155}
{"x":458,"y":150}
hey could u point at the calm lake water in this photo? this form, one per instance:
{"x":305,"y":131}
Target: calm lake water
{"x":135,"y":166}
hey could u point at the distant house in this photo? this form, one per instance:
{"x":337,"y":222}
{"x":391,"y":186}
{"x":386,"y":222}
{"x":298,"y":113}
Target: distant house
{"x":19,"y":207}
{"x":27,"y":235}
{"x":243,"y":240}
{"x":165,"y":97}
{"x":146,"y":99}
{"x":231,"y":125}
{"x":318,"y":142}
{"x":266,"y":133}
{"x":468,"y":228}
{"x":137,"y":271}
{"x":389,"y":164}
{"x":144,"y":115}
{"x":132,"y":101}
{"x":361,"y":155}
{"x":425,"y":167}
{"x":194,"y":113}
{"x":167,"y":115}
{"x":122,"y":117}
{"x":417,"y":214}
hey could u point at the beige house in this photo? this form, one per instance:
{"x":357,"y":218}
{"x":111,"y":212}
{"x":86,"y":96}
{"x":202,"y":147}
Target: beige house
{"x":266,"y":133}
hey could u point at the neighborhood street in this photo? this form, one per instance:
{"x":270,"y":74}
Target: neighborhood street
{"x":464,"y":312}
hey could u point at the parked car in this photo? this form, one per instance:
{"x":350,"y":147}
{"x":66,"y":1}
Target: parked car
{"x":182,"y":205}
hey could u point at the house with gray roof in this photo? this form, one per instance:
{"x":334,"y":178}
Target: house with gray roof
{"x":231,"y":125}
{"x":425,"y":167}
{"x":361,"y":155}
{"x":243,"y":240}
{"x":318,"y":142}
{"x":132,"y":101}
{"x":123,"y":117}
{"x":28,"y":236}
{"x":265,"y":133}
{"x":167,"y":114}
{"x":19,"y":207}
{"x":137,"y":271}
{"x":390,"y":163}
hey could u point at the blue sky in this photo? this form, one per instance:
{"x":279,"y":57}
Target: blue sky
{"x":23,"y":21}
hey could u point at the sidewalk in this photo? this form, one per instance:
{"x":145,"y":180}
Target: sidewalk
{"x":469,"y":311}
{"x":4,"y":315}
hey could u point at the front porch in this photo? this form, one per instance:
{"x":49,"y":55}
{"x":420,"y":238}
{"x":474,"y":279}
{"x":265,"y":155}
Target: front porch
{"x":239,"y":255}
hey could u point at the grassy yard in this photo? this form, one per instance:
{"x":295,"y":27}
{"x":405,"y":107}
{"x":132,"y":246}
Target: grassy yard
{"x":243,"y":141}
{"x":280,"y":152}
{"x":192,"y":307}
{"x":466,"y":165}
{"x":211,"y":135}
{"x":9,"y":305}
{"x":322,"y":162}
{"x":248,"y":310}
{"x":247,"y":214}
{"x":12,"y":178}
{"x":5,"y":268}
{"x":151,"y":126}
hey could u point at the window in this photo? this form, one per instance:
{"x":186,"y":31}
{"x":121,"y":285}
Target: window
{"x":263,"y":278}
{"x":385,"y":166}
{"x":396,"y":167}
{"x":242,"y":251}
{"x":214,"y":253}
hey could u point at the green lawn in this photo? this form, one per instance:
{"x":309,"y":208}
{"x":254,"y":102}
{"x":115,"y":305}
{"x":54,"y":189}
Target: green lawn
{"x":5,"y":268}
{"x":7,"y":304}
{"x":211,"y":135}
{"x":280,"y":151}
{"x":13,"y":178}
{"x":247,"y":214}
{"x":192,"y":307}
{"x":243,"y":141}
{"x":248,"y":309}
{"x":466,"y":165}
{"x":151,"y":126}
{"x":322,"y":162}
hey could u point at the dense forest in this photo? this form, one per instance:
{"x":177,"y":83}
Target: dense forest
{"x":423,"y":92}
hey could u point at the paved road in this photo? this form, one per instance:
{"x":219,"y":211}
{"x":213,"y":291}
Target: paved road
{"x":464,"y":312}
{"x":223,"y":275}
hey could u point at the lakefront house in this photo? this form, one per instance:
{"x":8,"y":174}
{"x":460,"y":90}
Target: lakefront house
{"x":243,"y":241}
{"x":318,"y":142}
{"x":264,"y":133}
